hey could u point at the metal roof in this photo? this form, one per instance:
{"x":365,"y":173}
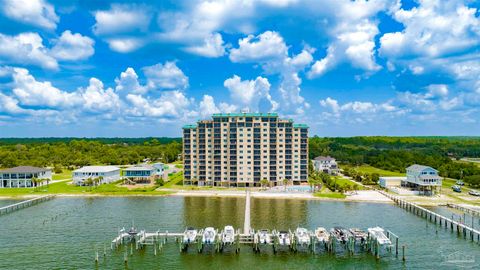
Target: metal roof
{"x":419,"y":168}
{"x":139,"y":168}
{"x":97,"y":169}
{"x":24,"y":169}
{"x":328,"y":158}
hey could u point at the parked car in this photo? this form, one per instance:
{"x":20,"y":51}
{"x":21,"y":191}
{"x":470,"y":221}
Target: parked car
{"x":460,"y":183}
{"x":474,"y":193}
{"x":457,"y":188}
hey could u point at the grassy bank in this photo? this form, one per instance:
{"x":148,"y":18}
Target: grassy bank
{"x":370,"y":170}
{"x":68,"y":189}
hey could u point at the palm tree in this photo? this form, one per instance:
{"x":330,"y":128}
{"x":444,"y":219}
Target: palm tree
{"x":311,"y":182}
{"x":88,"y":182}
{"x":34,"y":182}
{"x":285,"y":183}
{"x":100,"y":179}
{"x":264,"y":182}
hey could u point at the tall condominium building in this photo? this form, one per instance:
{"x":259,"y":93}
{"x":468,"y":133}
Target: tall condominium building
{"x":241,"y":149}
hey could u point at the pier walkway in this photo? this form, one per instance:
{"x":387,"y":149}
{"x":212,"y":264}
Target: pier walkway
{"x":472,"y":233}
{"x":23,"y":204}
{"x":467,"y":210}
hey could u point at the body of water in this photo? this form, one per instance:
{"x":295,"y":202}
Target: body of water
{"x":64,"y":233}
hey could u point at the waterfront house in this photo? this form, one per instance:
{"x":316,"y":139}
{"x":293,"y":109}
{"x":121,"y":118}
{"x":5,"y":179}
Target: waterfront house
{"x":326,"y":165}
{"x":140,"y":173}
{"x":159,"y":168}
{"x":423,"y":178}
{"x":21,"y":176}
{"x":107,"y":174}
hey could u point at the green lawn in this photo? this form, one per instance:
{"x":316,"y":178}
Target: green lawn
{"x":174,"y":179}
{"x":65,"y":174}
{"x":381,"y":172}
{"x":327,"y":193}
{"x":66,"y":188}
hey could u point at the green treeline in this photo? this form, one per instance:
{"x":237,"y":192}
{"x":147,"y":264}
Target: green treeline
{"x":80,"y":152}
{"x":397,"y":153}
{"x":389,"y":153}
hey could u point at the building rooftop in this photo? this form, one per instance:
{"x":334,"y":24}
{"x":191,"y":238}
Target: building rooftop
{"x":97,"y":169}
{"x":215,"y":115}
{"x":300,"y":125}
{"x":189,"y":126}
{"x":24,"y":169}
{"x":418,"y":168}
{"x":140,"y":168}
{"x":322,"y":158}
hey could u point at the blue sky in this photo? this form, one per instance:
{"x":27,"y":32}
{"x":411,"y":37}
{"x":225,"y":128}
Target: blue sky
{"x":145,"y":68}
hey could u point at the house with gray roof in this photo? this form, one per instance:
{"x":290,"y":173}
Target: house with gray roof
{"x":325,"y":164}
{"x":22,"y":176}
{"x":423,"y":178}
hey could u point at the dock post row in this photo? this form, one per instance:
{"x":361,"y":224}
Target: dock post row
{"x":463,"y":229}
{"x":23,"y":204}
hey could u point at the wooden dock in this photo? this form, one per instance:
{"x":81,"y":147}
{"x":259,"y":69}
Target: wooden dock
{"x":23,"y":204}
{"x":466,"y":231}
{"x":467,"y":210}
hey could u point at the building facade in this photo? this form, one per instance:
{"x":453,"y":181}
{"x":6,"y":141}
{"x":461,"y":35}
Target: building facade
{"x":107,"y":174}
{"x":241,"y":149}
{"x":22,"y":176}
{"x":423,"y":178}
{"x":326,"y":165}
{"x":140,"y":173}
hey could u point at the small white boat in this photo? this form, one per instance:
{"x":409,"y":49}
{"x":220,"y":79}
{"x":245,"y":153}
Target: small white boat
{"x":263,"y":237}
{"x":359,"y":235}
{"x":209,"y":235}
{"x":284,"y":238}
{"x":228,"y":235}
{"x":190,"y":235}
{"x":379,"y":234}
{"x":322,"y":235}
{"x":302,"y":237}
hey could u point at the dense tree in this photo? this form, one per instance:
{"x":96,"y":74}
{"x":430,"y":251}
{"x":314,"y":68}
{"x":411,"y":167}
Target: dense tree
{"x":74,"y":153}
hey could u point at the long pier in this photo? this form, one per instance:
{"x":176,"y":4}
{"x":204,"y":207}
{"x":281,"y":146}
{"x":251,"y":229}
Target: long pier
{"x":468,"y":210}
{"x":246,"y":224}
{"x":23,"y":204}
{"x":436,"y":218}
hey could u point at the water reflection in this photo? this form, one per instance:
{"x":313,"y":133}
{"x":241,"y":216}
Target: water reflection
{"x":202,"y":212}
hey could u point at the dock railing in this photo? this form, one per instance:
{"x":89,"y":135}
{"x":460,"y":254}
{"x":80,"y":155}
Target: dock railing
{"x":436,"y":218}
{"x":23,"y":204}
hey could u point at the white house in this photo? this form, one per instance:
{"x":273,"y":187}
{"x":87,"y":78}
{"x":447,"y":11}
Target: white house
{"x":21,"y":176}
{"x":159,"y":168}
{"x":139,"y":173}
{"x":423,"y":178}
{"x":107,"y":174}
{"x":325,"y":164}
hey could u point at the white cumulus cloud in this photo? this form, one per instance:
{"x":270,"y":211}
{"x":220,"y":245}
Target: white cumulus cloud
{"x":26,"y":49}
{"x":73,"y":46}
{"x":33,"y":12}
{"x":165,"y":76}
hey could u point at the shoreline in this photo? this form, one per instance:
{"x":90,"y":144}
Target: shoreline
{"x":213,"y":194}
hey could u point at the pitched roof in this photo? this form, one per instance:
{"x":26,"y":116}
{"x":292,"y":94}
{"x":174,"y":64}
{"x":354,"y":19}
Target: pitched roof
{"x":322,"y":158}
{"x":418,"y":168}
{"x":97,"y":169}
{"x":140,"y":168}
{"x":24,"y":169}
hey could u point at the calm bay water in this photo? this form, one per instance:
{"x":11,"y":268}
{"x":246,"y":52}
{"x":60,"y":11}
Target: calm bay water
{"x":64,"y":233}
